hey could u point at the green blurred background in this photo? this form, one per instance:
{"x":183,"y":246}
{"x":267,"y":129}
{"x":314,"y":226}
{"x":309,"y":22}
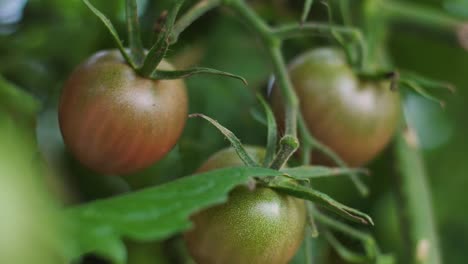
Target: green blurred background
{"x":41,"y":41}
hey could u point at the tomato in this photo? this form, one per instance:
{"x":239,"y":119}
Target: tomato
{"x":116,"y":122}
{"x":354,"y":117}
{"x":254,"y":226}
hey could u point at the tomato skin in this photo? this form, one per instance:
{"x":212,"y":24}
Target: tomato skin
{"x":255,"y":226}
{"x":116,"y":122}
{"x":355,"y":118}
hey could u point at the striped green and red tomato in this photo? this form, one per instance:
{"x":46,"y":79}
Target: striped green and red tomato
{"x":117,"y":122}
{"x":353,"y":116}
{"x":254,"y":226}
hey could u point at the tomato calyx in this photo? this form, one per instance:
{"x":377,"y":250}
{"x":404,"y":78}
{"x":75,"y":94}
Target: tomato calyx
{"x":404,"y":79}
{"x":146,"y":63}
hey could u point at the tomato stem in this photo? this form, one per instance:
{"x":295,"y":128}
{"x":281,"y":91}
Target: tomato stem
{"x":434,"y":20}
{"x":371,"y":248}
{"x":289,"y":143}
{"x":289,"y":31}
{"x":312,"y":28}
{"x":397,"y":11}
{"x":160,"y":47}
{"x":133,"y":28}
{"x":193,"y":14}
{"x":416,"y":215}
{"x":306,"y":10}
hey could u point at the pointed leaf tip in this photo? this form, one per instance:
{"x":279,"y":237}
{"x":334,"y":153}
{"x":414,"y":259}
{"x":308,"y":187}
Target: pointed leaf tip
{"x":179,"y":74}
{"x":235,"y":142}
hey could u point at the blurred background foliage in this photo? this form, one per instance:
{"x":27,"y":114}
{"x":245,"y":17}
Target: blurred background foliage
{"x":41,"y":41}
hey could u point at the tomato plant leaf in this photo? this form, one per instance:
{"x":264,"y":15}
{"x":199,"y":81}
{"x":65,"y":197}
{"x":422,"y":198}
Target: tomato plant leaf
{"x":306,"y":10}
{"x":287,"y":186}
{"x":133,"y":28}
{"x":308,"y":172}
{"x":13,"y":98}
{"x":113,"y":32}
{"x":159,"y":49}
{"x":272,"y":132}
{"x":153,"y":213}
{"x":159,"y":74}
{"x":235,"y":142}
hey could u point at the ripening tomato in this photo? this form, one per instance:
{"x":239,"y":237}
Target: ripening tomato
{"x":354,"y":117}
{"x":254,"y":226}
{"x":117,"y":122}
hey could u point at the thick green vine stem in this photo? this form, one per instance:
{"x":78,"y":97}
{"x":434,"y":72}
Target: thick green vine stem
{"x":401,"y":12}
{"x":133,"y":28}
{"x":417,"y":218}
{"x":289,"y":143}
{"x":272,"y":39}
{"x":193,"y":14}
{"x":416,"y":14}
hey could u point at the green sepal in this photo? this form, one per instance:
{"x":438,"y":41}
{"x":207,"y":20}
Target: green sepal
{"x":160,"y":47}
{"x":137,"y":51}
{"x":290,"y":187}
{"x":235,"y":142}
{"x":312,"y":172}
{"x":178,"y":74}
{"x":113,"y":32}
{"x":272,"y":137}
{"x":306,"y":10}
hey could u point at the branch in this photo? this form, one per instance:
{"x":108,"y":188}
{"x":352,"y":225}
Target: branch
{"x":193,"y":14}
{"x":415,"y":201}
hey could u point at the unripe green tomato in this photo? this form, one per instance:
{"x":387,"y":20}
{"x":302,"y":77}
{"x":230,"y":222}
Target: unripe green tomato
{"x":117,"y":122}
{"x":254,"y":226}
{"x":356,"y":118}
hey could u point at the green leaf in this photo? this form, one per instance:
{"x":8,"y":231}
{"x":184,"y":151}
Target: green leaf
{"x":287,"y":186}
{"x":133,"y":28}
{"x":151,"y":214}
{"x":235,"y":142}
{"x":306,"y":10}
{"x":309,"y":172}
{"x":159,"y":49}
{"x":159,"y":74}
{"x":272,"y":132}
{"x":13,"y":98}
{"x":113,"y":32}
